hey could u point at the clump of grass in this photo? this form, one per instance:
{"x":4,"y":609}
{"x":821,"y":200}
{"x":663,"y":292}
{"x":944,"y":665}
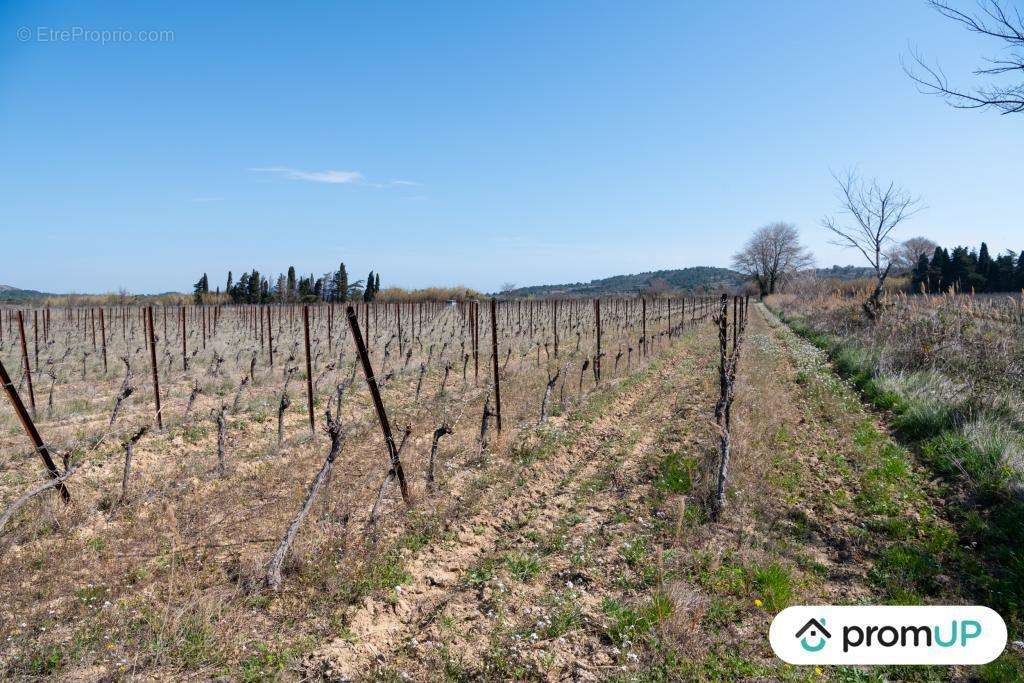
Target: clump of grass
{"x":631,"y":625}
{"x":522,"y":566}
{"x":774,"y":585}
{"x":482,"y":572}
{"x":265,"y":664}
{"x":676,"y":473}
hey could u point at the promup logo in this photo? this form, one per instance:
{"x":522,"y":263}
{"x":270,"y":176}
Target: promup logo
{"x":888,"y":635}
{"x":817,"y":630}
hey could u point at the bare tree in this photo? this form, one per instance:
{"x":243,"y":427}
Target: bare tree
{"x":875,"y":210}
{"x":772,"y":256}
{"x":993,"y":21}
{"x":906,"y":254}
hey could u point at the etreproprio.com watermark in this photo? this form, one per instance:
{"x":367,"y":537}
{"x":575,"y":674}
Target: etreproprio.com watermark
{"x":83,"y":34}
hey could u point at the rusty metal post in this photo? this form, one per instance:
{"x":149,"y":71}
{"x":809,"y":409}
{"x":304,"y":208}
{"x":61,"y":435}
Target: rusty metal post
{"x":366,"y":324}
{"x":398,"y":322}
{"x":103,"y":340}
{"x":270,"y":337}
{"x":554,"y":322}
{"x":643,"y":329}
{"x":184,"y":350}
{"x":152,"y":360}
{"x":24,"y":358}
{"x":309,"y":370}
{"x":31,"y":431}
{"x":494,"y":357}
{"x":35,"y":335}
{"x":476,"y":342}
{"x":597,"y":326}
{"x":378,"y":404}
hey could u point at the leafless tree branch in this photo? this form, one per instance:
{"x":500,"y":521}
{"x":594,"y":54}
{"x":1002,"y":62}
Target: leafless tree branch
{"x":993,"y":21}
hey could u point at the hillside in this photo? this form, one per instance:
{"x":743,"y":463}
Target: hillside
{"x":707,"y":277}
{"x":9,"y":293}
{"x":844,"y":272}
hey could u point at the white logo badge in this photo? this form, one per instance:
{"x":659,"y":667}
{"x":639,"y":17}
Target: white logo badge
{"x":831,"y":634}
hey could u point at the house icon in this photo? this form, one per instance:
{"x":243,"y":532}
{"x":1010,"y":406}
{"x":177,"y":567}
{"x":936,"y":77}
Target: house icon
{"x":815,"y":629}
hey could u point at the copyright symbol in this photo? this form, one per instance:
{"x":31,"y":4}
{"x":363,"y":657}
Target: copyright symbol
{"x":24,"y":33}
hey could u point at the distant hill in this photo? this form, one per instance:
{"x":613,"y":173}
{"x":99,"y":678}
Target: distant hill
{"x":844,"y":272}
{"x":8,"y":293}
{"x":683,"y":278}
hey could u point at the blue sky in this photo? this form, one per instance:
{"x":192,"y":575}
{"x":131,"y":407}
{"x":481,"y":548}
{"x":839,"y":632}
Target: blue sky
{"x":471,"y":143}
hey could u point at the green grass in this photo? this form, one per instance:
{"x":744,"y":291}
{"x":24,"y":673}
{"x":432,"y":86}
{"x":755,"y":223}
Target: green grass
{"x":634,"y":624}
{"x":522,"y":566}
{"x":481,"y":573}
{"x":774,"y":585}
{"x":676,"y":473}
{"x":970,"y":450}
{"x":264,"y":664}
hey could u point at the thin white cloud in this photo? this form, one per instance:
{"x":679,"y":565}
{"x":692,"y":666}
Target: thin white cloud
{"x":408,"y":183}
{"x":330,"y":176}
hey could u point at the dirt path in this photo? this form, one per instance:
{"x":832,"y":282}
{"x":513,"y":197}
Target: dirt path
{"x":603,"y":562}
{"x":518,"y":589}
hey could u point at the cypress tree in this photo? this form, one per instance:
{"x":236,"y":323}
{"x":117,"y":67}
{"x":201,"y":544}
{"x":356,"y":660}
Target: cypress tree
{"x":227,"y":290}
{"x":341,"y":283}
{"x":919,"y":281}
{"x":368,"y":291}
{"x":936,"y":271}
{"x":948,"y":277}
{"x":291,"y":282}
{"x":985,"y":268}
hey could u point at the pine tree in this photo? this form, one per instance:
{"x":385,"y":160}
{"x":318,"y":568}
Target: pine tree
{"x":964,"y":270}
{"x":1019,"y":284}
{"x":201,"y":287}
{"x":919,"y":280}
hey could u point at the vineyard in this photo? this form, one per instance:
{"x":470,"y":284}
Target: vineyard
{"x":261,"y":446}
{"x":516,"y":489}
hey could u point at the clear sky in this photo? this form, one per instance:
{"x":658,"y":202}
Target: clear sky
{"x":470,"y":143}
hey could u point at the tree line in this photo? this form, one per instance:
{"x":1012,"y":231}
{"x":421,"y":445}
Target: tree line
{"x":255,"y":288}
{"x":964,"y":269}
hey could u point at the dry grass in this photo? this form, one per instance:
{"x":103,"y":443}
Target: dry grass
{"x":169,"y":580}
